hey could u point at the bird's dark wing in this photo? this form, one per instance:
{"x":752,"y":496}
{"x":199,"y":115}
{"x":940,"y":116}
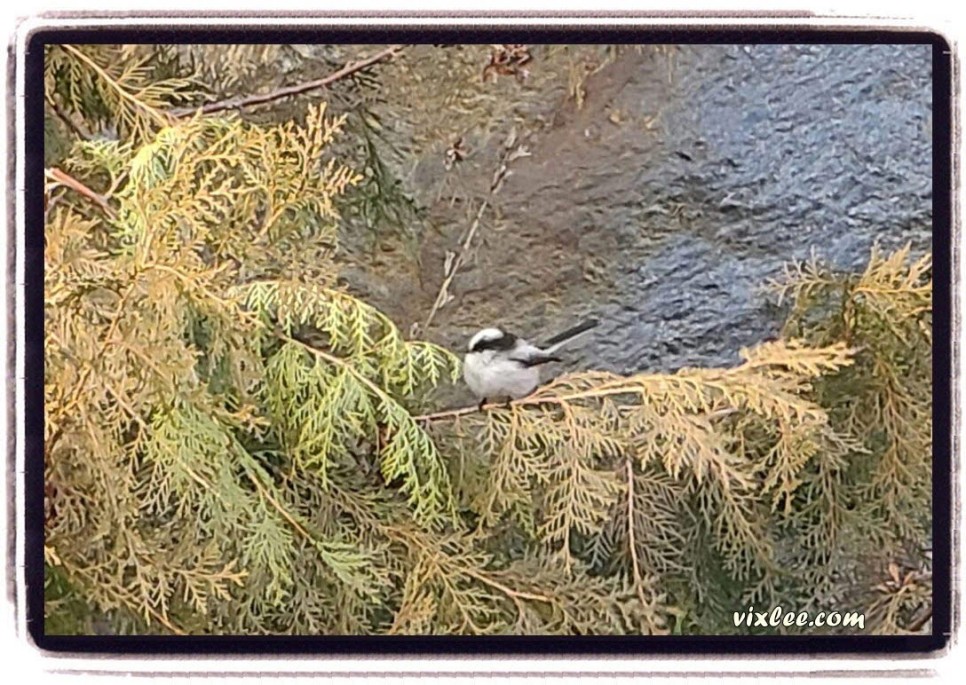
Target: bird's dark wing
{"x":527,"y":355}
{"x":537,"y":361}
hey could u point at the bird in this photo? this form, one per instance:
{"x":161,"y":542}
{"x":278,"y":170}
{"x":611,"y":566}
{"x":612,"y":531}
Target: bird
{"x":500,"y":364}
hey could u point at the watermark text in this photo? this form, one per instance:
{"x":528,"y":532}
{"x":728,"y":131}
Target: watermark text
{"x":778,"y":617}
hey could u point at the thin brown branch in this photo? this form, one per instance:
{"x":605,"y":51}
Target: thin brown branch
{"x":510,"y":152}
{"x":917,"y":623}
{"x":278,"y":507}
{"x":513,"y":594}
{"x":454,"y":413}
{"x":443,"y":293}
{"x":278,"y":94}
{"x":65,"y":118}
{"x":69,"y":181}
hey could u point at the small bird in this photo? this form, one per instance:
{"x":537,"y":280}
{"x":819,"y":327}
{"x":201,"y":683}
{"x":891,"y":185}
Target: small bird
{"x":499,"y":364}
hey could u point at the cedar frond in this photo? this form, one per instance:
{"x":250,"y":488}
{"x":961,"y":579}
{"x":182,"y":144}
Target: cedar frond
{"x":103,"y":85}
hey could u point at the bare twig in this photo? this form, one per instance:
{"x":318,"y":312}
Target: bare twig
{"x":921,"y":620}
{"x":513,"y":594}
{"x":455,"y":413}
{"x":278,"y":94}
{"x":443,"y":293}
{"x":68,"y":122}
{"x":66,"y":179}
{"x":511,"y":152}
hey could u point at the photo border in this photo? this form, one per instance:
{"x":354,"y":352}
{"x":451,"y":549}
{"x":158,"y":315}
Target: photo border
{"x":245,"y":30}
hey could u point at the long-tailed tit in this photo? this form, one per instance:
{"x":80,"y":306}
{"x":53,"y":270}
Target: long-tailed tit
{"x":499,"y":364}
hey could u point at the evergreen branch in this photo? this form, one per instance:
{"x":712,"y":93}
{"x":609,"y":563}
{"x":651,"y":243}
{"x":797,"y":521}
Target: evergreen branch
{"x":121,"y":91}
{"x":278,"y":507}
{"x":67,"y":405}
{"x":462,"y":411}
{"x":527,"y":401}
{"x":408,"y":448}
{"x":407,"y":537}
{"x":124,"y":598}
{"x":336,"y":361}
{"x":278,"y":94}
{"x":801,"y":362}
{"x":331,"y":553}
{"x":123,"y":404}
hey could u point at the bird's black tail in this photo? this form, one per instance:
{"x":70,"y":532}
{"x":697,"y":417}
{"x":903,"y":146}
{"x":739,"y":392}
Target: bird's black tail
{"x":571,"y":332}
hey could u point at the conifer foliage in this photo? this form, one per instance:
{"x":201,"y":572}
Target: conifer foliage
{"x":235,"y":444}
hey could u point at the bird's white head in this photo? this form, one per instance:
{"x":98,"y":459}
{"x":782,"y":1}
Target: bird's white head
{"x":487,"y":335}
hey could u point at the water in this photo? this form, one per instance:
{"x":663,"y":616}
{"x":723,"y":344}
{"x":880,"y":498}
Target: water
{"x":689,"y":177}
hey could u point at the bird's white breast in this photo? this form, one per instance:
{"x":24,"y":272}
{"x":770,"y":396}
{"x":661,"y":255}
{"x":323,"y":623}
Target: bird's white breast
{"x":493,"y":377}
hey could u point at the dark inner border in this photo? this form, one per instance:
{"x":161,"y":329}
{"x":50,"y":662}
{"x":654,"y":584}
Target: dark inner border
{"x":32,"y":149}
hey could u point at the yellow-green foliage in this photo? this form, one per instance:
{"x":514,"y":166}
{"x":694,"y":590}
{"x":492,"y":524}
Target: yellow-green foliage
{"x":234,"y":444}
{"x":113,"y":86}
{"x":871,"y":515}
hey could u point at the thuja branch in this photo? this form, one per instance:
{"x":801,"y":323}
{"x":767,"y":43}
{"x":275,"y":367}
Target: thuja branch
{"x":122,"y":92}
{"x":70,"y":400}
{"x":278,"y":507}
{"x":278,"y":94}
{"x":408,"y":538}
{"x":337,"y":361}
{"x":619,"y":386}
{"x":123,"y":595}
{"x":525,"y":401}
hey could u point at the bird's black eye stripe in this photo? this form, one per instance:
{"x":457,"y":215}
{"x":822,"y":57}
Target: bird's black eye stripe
{"x":505,"y":342}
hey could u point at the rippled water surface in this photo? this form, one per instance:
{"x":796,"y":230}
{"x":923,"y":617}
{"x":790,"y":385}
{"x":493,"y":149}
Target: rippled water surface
{"x":685,"y":181}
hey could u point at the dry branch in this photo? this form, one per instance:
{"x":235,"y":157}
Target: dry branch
{"x":66,"y":119}
{"x":66,"y":179}
{"x":511,"y":152}
{"x":278,"y":94}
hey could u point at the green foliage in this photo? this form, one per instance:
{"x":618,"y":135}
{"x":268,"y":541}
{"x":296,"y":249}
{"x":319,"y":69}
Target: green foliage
{"x":169,"y":347}
{"x":872,"y":511}
{"x":235,"y":444}
{"x":113,"y":87}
